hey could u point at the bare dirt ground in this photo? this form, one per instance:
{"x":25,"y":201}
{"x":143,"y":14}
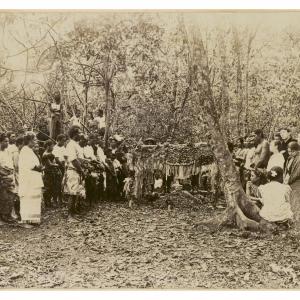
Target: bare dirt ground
{"x":117,"y":247}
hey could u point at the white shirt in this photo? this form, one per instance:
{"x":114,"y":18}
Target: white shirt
{"x":6,"y":159}
{"x":55,"y":107}
{"x":158,"y":183}
{"x":29,"y":180}
{"x":72,"y":152}
{"x":88,"y":152}
{"x":100,"y":122}
{"x":276,"y":160}
{"x":12,"y":148}
{"x":276,"y":201}
{"x":100,"y":154}
{"x":129,"y":158}
{"x":59,"y":152}
{"x":80,"y":152}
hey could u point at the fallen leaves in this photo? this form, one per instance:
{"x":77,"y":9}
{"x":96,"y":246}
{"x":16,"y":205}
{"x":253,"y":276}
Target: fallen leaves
{"x":116,"y":247}
{"x":284,"y":271}
{"x":16,"y":276}
{"x":207,"y":256}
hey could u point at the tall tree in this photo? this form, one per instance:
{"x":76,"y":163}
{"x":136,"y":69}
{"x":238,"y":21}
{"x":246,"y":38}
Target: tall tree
{"x":239,"y":208}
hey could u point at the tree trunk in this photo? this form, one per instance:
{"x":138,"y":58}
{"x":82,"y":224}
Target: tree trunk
{"x":224,"y":116}
{"x":107,"y":113}
{"x":240,"y":210}
{"x":249,"y":48}
{"x":239,"y":87}
{"x":246,"y":122}
{"x":85,"y":108}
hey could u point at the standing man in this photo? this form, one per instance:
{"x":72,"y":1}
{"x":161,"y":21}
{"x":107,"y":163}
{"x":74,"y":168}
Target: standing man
{"x":74,"y":174}
{"x":262,"y":150}
{"x":12,"y":148}
{"x":7,"y":187}
{"x":100,"y":121}
{"x":56,"y":117}
{"x":286,"y":137}
{"x":19,"y":144}
{"x":59,"y":150}
{"x":292,"y":177}
{"x":42,"y":136}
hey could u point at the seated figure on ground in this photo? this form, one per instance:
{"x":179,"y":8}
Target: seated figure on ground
{"x":275,"y":198}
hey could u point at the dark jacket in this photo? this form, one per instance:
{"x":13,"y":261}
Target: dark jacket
{"x":293,"y":170}
{"x":262,"y":155}
{"x":284,"y":147}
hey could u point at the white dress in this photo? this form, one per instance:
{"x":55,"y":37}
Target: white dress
{"x":59,"y":152}
{"x":30,"y":186}
{"x":73,"y":184}
{"x":276,"y":201}
{"x":276,"y":160}
{"x":88,"y":152}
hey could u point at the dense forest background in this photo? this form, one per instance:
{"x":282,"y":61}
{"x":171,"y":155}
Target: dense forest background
{"x":138,"y":68}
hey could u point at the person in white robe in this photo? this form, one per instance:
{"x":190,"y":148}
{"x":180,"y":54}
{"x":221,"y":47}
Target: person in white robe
{"x":30,"y":183}
{"x":275,"y":198}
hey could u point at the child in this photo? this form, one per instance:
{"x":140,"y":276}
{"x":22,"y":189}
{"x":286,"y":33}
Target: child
{"x":75,"y":120}
{"x":276,"y":198}
{"x":129,"y":188}
{"x":52,"y":177}
{"x":158,"y":183}
{"x":56,"y":117}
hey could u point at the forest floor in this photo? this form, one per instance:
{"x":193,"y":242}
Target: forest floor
{"x":145,"y":247}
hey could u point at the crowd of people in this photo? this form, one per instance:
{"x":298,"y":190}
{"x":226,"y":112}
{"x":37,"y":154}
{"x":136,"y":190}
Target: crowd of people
{"x":75,"y":171}
{"x":270,"y":174}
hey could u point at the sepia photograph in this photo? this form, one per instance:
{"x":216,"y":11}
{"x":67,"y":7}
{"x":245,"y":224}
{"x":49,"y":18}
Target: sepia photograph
{"x":149,"y":149}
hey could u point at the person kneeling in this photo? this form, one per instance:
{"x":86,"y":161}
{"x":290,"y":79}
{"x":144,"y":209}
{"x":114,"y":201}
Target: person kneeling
{"x":275,"y":198}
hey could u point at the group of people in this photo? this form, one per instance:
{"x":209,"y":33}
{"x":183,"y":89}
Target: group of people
{"x":270,"y":174}
{"x":74,"y":171}
{"x":77,"y":171}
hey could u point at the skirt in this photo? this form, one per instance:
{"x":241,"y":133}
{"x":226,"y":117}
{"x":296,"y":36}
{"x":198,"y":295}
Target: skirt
{"x":30,"y":207}
{"x":6,"y":201}
{"x":73,"y":185}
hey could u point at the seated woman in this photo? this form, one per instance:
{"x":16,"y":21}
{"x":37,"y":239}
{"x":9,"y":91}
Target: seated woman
{"x":275,"y":198}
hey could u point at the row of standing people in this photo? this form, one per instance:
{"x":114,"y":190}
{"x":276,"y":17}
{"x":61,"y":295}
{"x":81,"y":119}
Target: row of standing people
{"x":76,"y":170}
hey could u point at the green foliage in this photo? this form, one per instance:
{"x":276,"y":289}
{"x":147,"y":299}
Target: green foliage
{"x":137,"y":66}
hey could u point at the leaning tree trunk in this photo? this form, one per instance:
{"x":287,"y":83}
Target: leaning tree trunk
{"x":240,"y":209}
